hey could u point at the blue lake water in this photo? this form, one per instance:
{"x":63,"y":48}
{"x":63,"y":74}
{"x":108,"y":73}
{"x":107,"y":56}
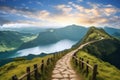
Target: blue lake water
{"x":58,"y":46}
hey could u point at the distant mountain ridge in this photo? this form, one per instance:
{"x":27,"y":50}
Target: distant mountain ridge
{"x":106,"y":49}
{"x":46,"y":36}
{"x":72,"y":32}
{"x":112,"y":31}
{"x":31,"y":30}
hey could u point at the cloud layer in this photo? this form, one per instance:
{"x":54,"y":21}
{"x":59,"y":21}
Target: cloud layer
{"x":63,"y":14}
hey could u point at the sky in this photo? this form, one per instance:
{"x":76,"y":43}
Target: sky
{"x":59,"y":13}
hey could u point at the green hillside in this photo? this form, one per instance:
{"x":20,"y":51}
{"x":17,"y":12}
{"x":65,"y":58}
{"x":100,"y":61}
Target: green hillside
{"x":72,"y":32}
{"x":18,"y":67}
{"x":11,"y":40}
{"x":117,"y":35}
{"x":106,"y":71}
{"x":105,"y":52}
{"x":107,"y":49}
{"x":95,"y":34}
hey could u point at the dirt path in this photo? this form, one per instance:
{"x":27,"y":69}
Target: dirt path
{"x":63,"y":69}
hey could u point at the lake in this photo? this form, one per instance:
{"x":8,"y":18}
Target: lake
{"x":58,"y":46}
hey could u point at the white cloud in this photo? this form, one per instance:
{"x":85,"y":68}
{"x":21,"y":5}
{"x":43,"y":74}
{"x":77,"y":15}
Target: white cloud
{"x":71,"y":13}
{"x":16,"y":25}
{"x":19,"y":12}
{"x":97,"y":15}
{"x":65,"y":9}
{"x":42,"y":14}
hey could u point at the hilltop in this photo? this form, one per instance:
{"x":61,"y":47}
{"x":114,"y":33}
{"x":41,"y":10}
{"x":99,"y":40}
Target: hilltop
{"x":104,"y":52}
{"x":96,"y":34}
{"x":107,"y":49}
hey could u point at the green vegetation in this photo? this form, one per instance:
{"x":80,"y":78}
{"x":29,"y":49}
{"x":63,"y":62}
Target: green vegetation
{"x":28,"y":38}
{"x":54,"y":35}
{"x":107,"y":49}
{"x":102,"y":52}
{"x":18,"y":67}
{"x":105,"y":53}
{"x":117,"y":35}
{"x":4,"y":48}
{"x":95,"y":34}
{"x":11,"y":40}
{"x":106,"y":71}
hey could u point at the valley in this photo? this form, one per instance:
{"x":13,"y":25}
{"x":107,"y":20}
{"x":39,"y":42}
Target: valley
{"x":52,"y":48}
{"x":59,"y":39}
{"x":43,"y":42}
{"x":37,"y":46}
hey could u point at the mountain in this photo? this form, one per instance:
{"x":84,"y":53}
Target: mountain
{"x":29,"y":57}
{"x":31,"y":30}
{"x":107,"y":49}
{"x":11,"y":40}
{"x":116,"y":34}
{"x":72,"y":32}
{"x":19,"y":64}
{"x":105,"y":70}
{"x":112,"y":31}
{"x":96,"y":34}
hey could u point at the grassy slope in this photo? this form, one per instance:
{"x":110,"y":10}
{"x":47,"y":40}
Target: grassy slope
{"x":108,"y":48}
{"x":95,"y":34}
{"x":8,"y":40}
{"x":11,"y":40}
{"x":106,"y":71}
{"x":28,"y":38}
{"x":18,"y":67}
{"x":116,"y":35}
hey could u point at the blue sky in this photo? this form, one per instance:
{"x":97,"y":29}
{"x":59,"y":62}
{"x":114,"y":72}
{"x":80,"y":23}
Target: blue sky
{"x":59,"y":13}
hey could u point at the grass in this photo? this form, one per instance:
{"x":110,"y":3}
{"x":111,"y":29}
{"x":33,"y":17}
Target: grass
{"x":18,"y":67}
{"x":5,"y":48}
{"x":9,"y":46}
{"x":13,"y":45}
{"x":106,"y":71}
{"x":29,"y":38}
{"x":96,"y":34}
